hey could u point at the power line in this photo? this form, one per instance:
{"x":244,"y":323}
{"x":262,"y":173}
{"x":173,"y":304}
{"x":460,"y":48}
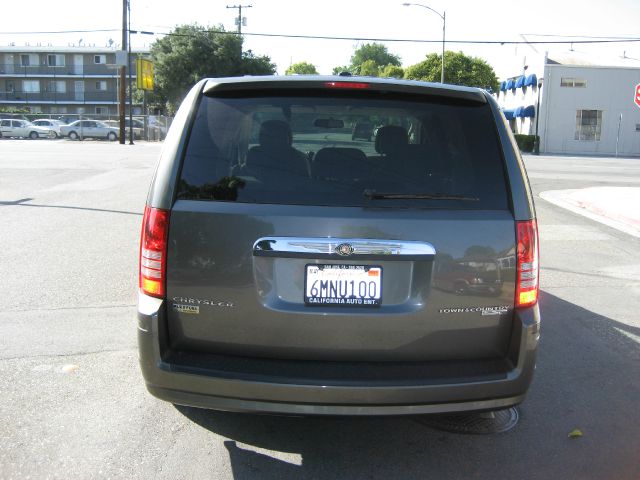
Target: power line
{"x":610,"y":37}
{"x":62,"y":31}
{"x":409,"y":40}
{"x":589,"y":40}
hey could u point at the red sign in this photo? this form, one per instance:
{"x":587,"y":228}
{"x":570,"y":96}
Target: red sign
{"x":637,"y":97}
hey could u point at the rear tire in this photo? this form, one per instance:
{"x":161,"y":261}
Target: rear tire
{"x":33,"y":135}
{"x":112,"y":137}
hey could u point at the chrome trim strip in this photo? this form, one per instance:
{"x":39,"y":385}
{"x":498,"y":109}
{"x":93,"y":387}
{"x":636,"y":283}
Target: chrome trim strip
{"x":327,"y":247}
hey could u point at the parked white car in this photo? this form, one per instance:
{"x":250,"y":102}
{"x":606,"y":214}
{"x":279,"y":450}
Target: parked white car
{"x":81,"y":129}
{"x":23,"y":129}
{"x":49,"y":123}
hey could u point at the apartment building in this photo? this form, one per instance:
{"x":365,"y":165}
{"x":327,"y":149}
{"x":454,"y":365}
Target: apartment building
{"x":60,"y":80}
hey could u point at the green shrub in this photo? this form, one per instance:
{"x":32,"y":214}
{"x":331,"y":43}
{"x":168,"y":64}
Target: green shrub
{"x":526,"y":142}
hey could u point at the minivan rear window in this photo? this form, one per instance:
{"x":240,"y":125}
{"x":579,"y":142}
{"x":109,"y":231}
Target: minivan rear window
{"x":363,"y":149}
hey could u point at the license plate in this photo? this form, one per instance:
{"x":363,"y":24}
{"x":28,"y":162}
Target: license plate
{"x":343,"y":285}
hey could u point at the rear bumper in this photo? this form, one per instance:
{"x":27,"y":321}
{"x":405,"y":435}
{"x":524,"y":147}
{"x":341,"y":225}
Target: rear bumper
{"x":317,"y":388}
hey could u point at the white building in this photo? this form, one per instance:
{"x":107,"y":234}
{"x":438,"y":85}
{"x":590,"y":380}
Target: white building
{"x":584,"y":107}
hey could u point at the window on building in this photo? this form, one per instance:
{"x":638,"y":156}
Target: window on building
{"x":99,"y":59}
{"x":588,"y":125}
{"x":55,"y":60}
{"x":573,"y":82}
{"x":29,"y":60}
{"x":62,"y":109}
{"x":59,"y":86}
{"x":31,"y":86}
{"x":102,"y":110}
{"x":101,"y":85}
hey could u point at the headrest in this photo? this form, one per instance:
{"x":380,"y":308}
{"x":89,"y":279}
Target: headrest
{"x":391,"y":138}
{"x":275,"y":134}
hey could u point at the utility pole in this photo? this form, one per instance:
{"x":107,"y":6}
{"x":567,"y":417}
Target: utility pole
{"x":122,"y":90}
{"x":239,"y":19}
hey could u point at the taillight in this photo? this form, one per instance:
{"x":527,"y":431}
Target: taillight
{"x":153,"y":251}
{"x":348,"y":85}
{"x":527,"y":263}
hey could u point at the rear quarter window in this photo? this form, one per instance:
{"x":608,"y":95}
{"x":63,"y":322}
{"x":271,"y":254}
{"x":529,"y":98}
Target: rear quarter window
{"x":344,"y":149}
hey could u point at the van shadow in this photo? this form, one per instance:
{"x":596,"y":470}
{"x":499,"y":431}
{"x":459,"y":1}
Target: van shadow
{"x":586,"y":378}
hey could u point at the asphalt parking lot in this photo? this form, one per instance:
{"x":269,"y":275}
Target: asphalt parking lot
{"x":74,"y":404}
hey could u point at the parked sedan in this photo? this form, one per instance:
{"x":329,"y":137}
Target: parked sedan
{"x":138,"y":127}
{"x":51,"y":124}
{"x":23,"y":129}
{"x":81,"y":129}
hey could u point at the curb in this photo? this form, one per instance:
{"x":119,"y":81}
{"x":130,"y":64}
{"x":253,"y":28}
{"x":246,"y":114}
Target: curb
{"x":616,"y":207}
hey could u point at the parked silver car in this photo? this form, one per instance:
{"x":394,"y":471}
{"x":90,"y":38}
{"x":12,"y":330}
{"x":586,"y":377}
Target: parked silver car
{"x":286,"y":267}
{"x":81,"y":129}
{"x":138,"y":127}
{"x":51,"y":124}
{"x":23,"y":129}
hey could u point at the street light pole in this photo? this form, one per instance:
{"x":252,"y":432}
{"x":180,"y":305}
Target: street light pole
{"x":443,"y":16}
{"x":444,"y":23}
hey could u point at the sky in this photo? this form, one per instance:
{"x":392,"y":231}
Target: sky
{"x":466,"y":20}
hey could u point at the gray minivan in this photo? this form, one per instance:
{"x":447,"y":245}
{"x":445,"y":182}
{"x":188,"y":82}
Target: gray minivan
{"x":287,"y":267}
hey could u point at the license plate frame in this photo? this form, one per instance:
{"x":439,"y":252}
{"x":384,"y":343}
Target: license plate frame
{"x":346,"y":285}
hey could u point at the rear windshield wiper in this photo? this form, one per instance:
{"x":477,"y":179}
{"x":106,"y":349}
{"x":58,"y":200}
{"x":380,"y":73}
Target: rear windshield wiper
{"x":420,"y":196}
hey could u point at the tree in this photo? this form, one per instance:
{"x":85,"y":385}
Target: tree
{"x":302,"y":68}
{"x":392,"y":71}
{"x":192,"y":52}
{"x":370,"y":60}
{"x":459,"y":69}
{"x":369,"y":68}
{"x":375,"y":53}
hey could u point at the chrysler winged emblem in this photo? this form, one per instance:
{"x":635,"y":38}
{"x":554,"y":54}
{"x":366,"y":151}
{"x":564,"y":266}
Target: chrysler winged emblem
{"x":344,"y":249}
